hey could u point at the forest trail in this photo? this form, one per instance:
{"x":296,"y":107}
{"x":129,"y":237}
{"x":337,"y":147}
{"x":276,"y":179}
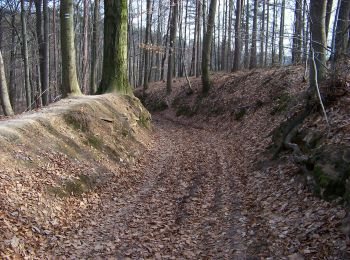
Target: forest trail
{"x":197,"y":196}
{"x":187,"y":204}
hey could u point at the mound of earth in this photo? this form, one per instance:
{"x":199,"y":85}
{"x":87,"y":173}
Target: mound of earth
{"x":52,"y":158}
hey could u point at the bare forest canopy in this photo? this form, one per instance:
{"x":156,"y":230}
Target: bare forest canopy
{"x":50,"y":51}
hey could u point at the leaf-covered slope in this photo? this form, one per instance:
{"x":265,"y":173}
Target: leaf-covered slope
{"x":51,"y":157}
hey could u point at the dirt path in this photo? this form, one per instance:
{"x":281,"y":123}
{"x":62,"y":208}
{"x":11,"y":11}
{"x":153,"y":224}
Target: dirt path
{"x":191,"y":198}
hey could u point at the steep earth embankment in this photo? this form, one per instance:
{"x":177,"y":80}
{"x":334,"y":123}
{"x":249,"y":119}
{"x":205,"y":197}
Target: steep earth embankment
{"x":54,"y":160}
{"x":286,"y":216}
{"x":274,"y":99}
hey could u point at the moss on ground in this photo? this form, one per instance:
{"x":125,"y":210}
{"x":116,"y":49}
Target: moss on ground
{"x":240,"y":113}
{"x":77,"y":120}
{"x":185,"y":110}
{"x":74,"y":187}
{"x":282,"y":103}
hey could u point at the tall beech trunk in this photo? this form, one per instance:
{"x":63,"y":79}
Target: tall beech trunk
{"x":318,"y":42}
{"x":70,"y":85}
{"x":262,"y":35}
{"x":94,"y":42}
{"x":253,"y":58}
{"x":4,"y":94}
{"x":198,"y":59}
{"x":114,"y":72}
{"x":84,"y":67}
{"x":229,"y":40}
{"x":281,"y":39}
{"x":43,"y":55}
{"x":25,"y":56}
{"x":328,"y":15}
{"x":207,"y":47}
{"x":147,"y":41}
{"x":296,"y":50}
{"x":341,"y":36}
{"x":273,"y":40}
{"x":55,"y":49}
{"x":45,"y":76}
{"x":12,"y":80}
{"x":171,"y":60}
{"x":267,"y":32}
{"x":238,"y":37}
{"x":246,"y":40}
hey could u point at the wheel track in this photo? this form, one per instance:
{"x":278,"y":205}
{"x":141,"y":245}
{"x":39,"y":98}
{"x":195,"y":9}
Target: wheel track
{"x":180,"y":209}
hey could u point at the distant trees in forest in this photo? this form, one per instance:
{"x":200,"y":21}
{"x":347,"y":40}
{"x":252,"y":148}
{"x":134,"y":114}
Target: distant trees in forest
{"x":53,"y":48}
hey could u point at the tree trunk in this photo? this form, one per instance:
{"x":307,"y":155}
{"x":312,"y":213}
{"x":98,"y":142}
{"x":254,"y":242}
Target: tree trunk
{"x":171,"y":60}
{"x":238,"y":37}
{"x":207,"y":47}
{"x":4,"y":94}
{"x":45,"y":78}
{"x":224,"y":40}
{"x":195,"y":39}
{"x":94,"y":43}
{"x":305,"y":26}
{"x":198,"y":39}
{"x":334,"y":30}
{"x":84,"y":66}
{"x":280,"y":51}
{"x":147,"y":41}
{"x":318,"y":42}
{"x":273,"y":40}
{"x":262,"y":35}
{"x":267,"y":32}
{"x":70,"y":85}
{"x":12,"y":81}
{"x":229,"y":41}
{"x":341,"y":37}
{"x":162,"y":73}
{"x":55,"y":50}
{"x":25,"y":57}
{"x":246,"y":43}
{"x":328,"y":15}
{"x":296,"y":50}
{"x":114,"y":74}
{"x":253,"y":59}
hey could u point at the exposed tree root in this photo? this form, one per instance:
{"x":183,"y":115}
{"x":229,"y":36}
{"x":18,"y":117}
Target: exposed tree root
{"x":289,"y":131}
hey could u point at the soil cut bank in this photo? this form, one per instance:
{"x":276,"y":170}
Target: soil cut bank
{"x":51,"y":159}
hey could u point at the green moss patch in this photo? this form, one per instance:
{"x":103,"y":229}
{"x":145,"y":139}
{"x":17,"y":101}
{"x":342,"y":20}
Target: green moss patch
{"x":282,"y":103}
{"x":77,"y":120}
{"x":74,"y":187}
{"x":185,"y":110}
{"x":239,"y":113}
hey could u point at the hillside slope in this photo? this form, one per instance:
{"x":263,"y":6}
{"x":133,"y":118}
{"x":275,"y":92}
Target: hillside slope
{"x":267,"y":101}
{"x":286,"y":211}
{"x":53,"y":160}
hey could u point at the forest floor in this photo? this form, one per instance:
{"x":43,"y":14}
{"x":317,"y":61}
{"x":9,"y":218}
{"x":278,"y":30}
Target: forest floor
{"x":201,"y":187}
{"x":199,"y":195}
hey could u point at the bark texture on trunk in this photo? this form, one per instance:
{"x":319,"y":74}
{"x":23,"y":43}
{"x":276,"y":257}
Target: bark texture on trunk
{"x":25,"y":57}
{"x":94,"y":42}
{"x":70,"y":85}
{"x":171,"y":60}
{"x":341,"y":36}
{"x":318,"y":42}
{"x":253,"y":58}
{"x":207,"y":47}
{"x":114,"y":71}
{"x":4,"y":94}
